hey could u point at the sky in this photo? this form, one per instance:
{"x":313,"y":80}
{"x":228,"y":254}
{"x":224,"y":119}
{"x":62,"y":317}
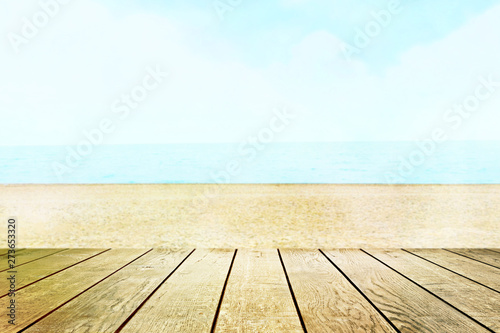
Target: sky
{"x":217,"y":71}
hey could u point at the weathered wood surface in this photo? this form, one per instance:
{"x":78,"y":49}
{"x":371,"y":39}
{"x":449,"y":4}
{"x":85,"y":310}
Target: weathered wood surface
{"x":328,"y":302}
{"x":39,"y":299}
{"x":478,"y":302}
{"x":227,"y":290}
{"x":187,"y":301}
{"x":409,"y":307}
{"x":23,"y":257}
{"x":479,"y":272}
{"x":39,"y":269}
{"x":106,"y":306}
{"x":257,"y":297}
{"x":481,"y":255}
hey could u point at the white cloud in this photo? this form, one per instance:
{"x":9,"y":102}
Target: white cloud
{"x":409,"y":99}
{"x":65,"y":80}
{"x":68,"y":78}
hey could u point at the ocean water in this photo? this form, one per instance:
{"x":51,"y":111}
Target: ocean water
{"x":350,"y":162}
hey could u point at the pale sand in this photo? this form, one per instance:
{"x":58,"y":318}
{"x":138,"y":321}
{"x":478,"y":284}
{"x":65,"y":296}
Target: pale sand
{"x":265,"y":216}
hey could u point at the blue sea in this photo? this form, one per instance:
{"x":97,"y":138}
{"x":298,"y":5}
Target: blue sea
{"x":450,"y":162}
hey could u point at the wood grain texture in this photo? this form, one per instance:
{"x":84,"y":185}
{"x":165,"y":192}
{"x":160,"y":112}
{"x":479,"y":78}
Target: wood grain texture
{"x":4,"y":252}
{"x":46,"y":295}
{"x":482,"y":255}
{"x":327,"y":300}
{"x":473,"y":299}
{"x":487,"y":275}
{"x":42,"y":268}
{"x":106,"y":306}
{"x":187,"y":301}
{"x":23,"y":257}
{"x":257,"y":297}
{"x":408,"y":306}
{"x":130,"y":288}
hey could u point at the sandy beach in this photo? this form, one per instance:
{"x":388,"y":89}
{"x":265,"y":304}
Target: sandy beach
{"x":248,"y":216}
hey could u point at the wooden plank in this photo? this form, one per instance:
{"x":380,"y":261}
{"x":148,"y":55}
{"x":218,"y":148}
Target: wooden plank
{"x":409,"y":307}
{"x":483,"y":255}
{"x":473,"y":299}
{"x":494,"y":250}
{"x":187,"y":301}
{"x":23,"y":257}
{"x":106,"y":306}
{"x":41,"y":298}
{"x":257,"y":297}
{"x":479,"y":272}
{"x":44,"y":267}
{"x":327,"y":300}
{"x":4,"y":252}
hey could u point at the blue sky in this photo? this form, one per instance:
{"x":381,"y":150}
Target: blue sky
{"x":227,"y":76}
